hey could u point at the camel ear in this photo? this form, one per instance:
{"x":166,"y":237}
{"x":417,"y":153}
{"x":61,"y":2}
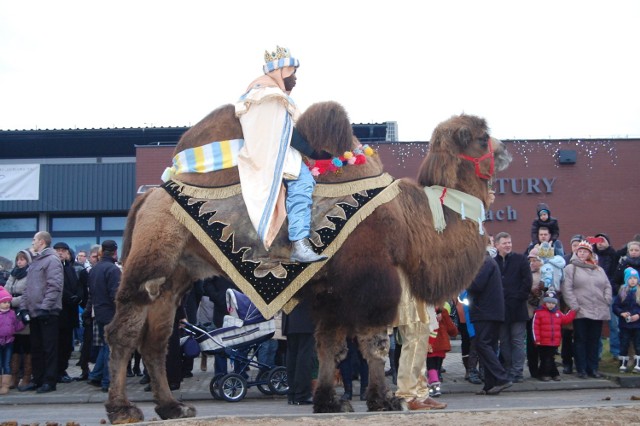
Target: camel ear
{"x":463,"y":137}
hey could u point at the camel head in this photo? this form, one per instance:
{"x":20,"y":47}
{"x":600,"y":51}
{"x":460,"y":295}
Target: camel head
{"x":326,"y":126}
{"x":462,"y":155}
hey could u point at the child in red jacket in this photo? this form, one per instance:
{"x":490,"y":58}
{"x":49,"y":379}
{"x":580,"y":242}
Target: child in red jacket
{"x":547,"y":325}
{"x":439,"y":345}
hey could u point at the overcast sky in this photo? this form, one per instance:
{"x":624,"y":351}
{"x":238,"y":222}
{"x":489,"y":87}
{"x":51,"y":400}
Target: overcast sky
{"x":533,"y":69}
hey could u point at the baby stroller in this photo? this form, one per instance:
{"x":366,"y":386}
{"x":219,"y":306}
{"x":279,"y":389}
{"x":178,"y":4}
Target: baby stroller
{"x":243,"y":330}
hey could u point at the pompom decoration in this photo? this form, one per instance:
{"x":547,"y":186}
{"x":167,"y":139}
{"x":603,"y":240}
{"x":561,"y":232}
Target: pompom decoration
{"x":353,"y":158}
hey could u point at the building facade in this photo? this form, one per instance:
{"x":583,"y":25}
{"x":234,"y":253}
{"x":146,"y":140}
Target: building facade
{"x":87,"y":179}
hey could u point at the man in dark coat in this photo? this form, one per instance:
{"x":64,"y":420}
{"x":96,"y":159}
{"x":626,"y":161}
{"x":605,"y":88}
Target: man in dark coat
{"x":68,"y":319}
{"x":486,"y":311}
{"x":104,"y":280}
{"x":608,"y":260}
{"x":516,"y":281}
{"x":301,"y":356}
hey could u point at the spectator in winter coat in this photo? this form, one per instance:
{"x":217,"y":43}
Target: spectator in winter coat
{"x":608,"y":260}
{"x":547,"y":326}
{"x":16,"y":286}
{"x":543,"y":218}
{"x":9,"y":326}
{"x":516,"y":282}
{"x":104,"y":280}
{"x":627,"y":306}
{"x":43,"y":299}
{"x":631,"y":259}
{"x":438,"y":348}
{"x":587,"y":290}
{"x":68,"y":319}
{"x":486,"y":310}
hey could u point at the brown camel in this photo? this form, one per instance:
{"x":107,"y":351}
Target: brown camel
{"x":355,"y":293}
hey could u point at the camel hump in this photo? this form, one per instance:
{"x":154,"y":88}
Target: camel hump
{"x":326,"y":126}
{"x":221,"y":124}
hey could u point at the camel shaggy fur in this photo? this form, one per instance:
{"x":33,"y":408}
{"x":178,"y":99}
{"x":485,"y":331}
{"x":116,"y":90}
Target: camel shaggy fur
{"x":355,"y":293}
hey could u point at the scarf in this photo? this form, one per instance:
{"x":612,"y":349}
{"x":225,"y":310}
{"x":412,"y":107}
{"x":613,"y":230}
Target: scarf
{"x":19,"y":273}
{"x":467,"y":206}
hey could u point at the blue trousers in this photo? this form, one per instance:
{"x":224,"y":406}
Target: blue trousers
{"x":614,"y":337}
{"x":6,"y":351}
{"x":298,"y":203}
{"x":101,"y":369}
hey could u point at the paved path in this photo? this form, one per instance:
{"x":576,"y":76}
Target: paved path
{"x":197,"y":387}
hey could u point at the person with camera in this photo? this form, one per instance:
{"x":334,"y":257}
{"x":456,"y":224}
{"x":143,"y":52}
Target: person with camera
{"x":627,"y":306}
{"x":43,"y":300}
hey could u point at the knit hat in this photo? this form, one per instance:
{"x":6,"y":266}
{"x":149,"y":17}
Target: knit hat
{"x":628,"y":273}
{"x":584,"y":244}
{"x":4,"y":295}
{"x":279,"y":59}
{"x":577,"y":237}
{"x":550,"y":297}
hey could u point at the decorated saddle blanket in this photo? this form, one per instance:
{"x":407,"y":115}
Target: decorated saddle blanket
{"x":218,"y":219}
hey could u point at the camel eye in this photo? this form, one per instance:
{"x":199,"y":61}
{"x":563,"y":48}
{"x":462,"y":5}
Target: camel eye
{"x":484,"y":141}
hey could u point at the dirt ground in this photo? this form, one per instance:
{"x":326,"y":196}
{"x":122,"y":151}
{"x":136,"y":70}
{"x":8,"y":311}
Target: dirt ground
{"x":627,"y":415}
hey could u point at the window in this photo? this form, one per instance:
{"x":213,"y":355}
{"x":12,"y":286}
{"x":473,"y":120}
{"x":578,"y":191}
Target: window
{"x":16,"y":233}
{"x":113,"y":223}
{"x":19,"y":224}
{"x":61,"y":224}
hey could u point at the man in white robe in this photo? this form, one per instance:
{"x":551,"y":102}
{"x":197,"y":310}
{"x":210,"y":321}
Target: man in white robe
{"x":275,"y":181}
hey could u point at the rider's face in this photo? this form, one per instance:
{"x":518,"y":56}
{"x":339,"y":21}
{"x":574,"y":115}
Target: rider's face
{"x":290,"y":81}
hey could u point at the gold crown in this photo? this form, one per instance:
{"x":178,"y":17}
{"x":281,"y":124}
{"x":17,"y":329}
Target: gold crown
{"x":280,"y":53}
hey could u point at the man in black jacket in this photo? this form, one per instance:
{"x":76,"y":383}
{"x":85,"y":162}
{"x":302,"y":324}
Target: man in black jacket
{"x":68,"y":319}
{"x":516,"y":282}
{"x":104,"y":280}
{"x":486,"y":311}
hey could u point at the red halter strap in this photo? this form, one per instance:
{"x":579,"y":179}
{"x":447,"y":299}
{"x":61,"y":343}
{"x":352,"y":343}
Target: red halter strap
{"x":477,"y":160}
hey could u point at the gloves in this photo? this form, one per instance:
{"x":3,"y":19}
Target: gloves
{"x":23,"y":315}
{"x":75,"y":300}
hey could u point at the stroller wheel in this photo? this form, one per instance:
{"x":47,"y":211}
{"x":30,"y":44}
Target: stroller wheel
{"x":278,"y":381}
{"x":233,"y":387}
{"x":214,"y":387}
{"x":263,"y":382}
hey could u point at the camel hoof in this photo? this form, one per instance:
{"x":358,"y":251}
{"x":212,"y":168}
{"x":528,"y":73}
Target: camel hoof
{"x":330,"y":403}
{"x":390,"y":403}
{"x":119,"y":415}
{"x":176,"y":410}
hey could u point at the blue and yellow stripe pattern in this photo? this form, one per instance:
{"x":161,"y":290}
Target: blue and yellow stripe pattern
{"x":207,"y":158}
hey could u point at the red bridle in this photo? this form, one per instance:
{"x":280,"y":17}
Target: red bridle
{"x":477,"y":160}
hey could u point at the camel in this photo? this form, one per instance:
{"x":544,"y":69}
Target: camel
{"x":354,"y":293}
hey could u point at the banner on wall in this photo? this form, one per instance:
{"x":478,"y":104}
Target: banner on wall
{"x":19,"y":182}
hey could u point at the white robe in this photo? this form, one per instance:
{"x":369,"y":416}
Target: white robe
{"x":267,"y":116}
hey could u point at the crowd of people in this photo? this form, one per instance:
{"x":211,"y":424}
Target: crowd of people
{"x":553,"y":304}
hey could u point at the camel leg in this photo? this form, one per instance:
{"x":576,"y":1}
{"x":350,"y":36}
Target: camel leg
{"x":374,"y":346}
{"x":332,"y":348}
{"x":153,"y":348}
{"x":122,"y":336}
